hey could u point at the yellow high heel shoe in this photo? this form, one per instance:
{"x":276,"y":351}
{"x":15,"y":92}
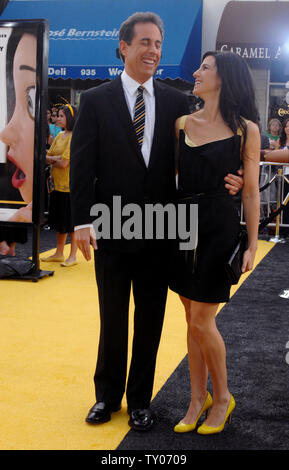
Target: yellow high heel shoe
{"x":204,"y":429}
{"x":182,"y":427}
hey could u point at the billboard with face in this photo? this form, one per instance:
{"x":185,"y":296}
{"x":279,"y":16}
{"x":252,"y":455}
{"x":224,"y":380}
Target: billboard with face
{"x":22,"y":118}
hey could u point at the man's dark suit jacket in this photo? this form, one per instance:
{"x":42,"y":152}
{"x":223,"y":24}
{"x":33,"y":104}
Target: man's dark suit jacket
{"x":106,"y":160}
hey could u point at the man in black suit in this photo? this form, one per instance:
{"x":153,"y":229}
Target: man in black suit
{"x":108,"y":160}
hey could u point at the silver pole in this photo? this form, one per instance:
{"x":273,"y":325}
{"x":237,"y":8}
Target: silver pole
{"x":277,"y":239}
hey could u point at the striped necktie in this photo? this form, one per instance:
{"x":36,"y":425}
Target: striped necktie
{"x":139,"y":116}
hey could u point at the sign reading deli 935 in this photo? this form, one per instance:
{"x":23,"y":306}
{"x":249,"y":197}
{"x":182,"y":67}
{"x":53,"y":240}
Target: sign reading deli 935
{"x":101,"y":72}
{"x":253,"y":52}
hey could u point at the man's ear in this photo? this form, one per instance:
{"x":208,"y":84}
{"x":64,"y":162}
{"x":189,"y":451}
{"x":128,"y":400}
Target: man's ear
{"x":123,"y":48}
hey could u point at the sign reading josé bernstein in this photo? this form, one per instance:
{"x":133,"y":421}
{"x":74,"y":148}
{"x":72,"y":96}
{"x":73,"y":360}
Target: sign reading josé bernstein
{"x":256,"y":30}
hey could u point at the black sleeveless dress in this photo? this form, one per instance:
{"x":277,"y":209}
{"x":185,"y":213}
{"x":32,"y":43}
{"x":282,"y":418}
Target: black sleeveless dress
{"x":201,"y":176}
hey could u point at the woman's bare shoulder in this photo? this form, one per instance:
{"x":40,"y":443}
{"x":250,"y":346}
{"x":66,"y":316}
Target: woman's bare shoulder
{"x":252,"y":127}
{"x":180,"y":122}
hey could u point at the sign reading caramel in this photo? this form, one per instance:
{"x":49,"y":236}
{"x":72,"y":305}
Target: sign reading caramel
{"x":254,"y":30}
{"x":249,"y":52}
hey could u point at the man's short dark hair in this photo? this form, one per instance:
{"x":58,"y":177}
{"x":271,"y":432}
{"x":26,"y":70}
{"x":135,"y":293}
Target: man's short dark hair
{"x":126,"y":31}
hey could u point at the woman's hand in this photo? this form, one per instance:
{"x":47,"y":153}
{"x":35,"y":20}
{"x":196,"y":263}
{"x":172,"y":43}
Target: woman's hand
{"x":274,"y":144}
{"x":248,"y":260}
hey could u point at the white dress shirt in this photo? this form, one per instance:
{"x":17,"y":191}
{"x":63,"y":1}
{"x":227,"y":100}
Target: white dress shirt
{"x":130,"y":87}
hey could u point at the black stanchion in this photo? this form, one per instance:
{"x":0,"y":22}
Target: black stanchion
{"x":280,"y":205}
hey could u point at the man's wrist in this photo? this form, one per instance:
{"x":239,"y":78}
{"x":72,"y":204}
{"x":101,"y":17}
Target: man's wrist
{"x":78,"y":227}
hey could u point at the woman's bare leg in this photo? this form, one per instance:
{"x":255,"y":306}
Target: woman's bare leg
{"x":4,"y":248}
{"x":73,"y":248}
{"x":204,"y":330}
{"x":198,"y":371}
{"x":60,"y":244}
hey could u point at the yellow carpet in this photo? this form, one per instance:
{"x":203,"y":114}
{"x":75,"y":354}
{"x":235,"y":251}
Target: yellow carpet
{"x":49,"y":335}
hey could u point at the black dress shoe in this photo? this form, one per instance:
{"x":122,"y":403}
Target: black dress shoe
{"x":141,"y":419}
{"x":100,"y":412}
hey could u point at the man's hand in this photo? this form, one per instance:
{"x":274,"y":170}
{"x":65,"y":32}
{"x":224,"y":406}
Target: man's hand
{"x":84,"y":238}
{"x":234,"y":183}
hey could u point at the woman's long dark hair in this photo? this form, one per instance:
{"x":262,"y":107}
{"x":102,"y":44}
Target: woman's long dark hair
{"x":283,"y":136}
{"x":237,"y":97}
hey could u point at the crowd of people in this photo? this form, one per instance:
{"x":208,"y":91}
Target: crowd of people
{"x":277,"y":150}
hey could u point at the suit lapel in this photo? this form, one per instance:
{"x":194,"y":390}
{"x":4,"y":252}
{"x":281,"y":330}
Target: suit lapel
{"x":119,"y":105}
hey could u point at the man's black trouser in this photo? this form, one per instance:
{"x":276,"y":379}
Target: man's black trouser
{"x":146,"y":272}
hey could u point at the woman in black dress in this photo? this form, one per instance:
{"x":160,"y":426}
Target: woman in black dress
{"x":213,"y":142}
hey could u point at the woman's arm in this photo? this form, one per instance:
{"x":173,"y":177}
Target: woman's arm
{"x":177,"y":133}
{"x":178,"y":126}
{"x":57,"y":161}
{"x":50,"y":159}
{"x":281,"y":155}
{"x":250,"y":193}
{"x":50,"y":139}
